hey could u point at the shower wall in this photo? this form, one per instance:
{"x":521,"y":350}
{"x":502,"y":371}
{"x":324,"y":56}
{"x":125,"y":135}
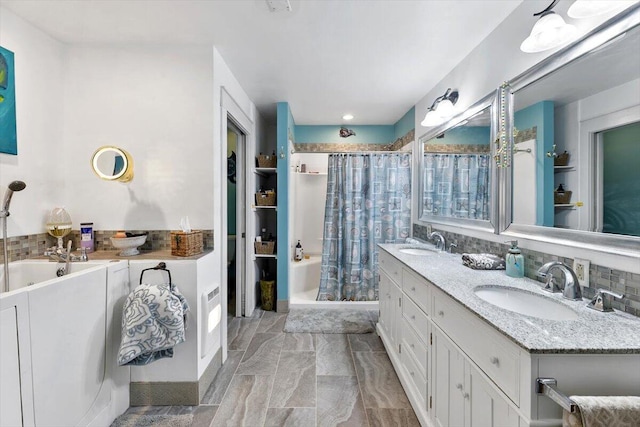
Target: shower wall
{"x":308,"y":195}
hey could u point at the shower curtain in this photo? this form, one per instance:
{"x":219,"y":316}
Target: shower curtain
{"x":368,"y":202}
{"x":456,"y":185}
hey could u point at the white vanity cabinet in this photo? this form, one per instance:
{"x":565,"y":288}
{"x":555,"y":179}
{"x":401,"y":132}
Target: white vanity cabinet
{"x":455,"y":371}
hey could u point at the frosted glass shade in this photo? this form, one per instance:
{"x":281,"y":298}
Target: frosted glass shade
{"x":432,"y":118}
{"x":589,"y":8}
{"x":549,"y":32}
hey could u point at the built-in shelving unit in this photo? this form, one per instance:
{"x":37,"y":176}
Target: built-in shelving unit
{"x":312,"y":173}
{"x":565,"y":206}
{"x":563,"y":211}
{"x":557,"y":169}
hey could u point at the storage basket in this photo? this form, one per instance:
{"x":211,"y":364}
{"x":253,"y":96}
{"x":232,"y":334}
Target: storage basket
{"x":561,"y":159}
{"x":264,"y":248}
{"x":186,"y":244}
{"x":267,"y":161}
{"x":267,"y":198}
{"x":561,"y":198}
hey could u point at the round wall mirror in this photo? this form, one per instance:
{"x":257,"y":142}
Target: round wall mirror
{"x":112,"y":164}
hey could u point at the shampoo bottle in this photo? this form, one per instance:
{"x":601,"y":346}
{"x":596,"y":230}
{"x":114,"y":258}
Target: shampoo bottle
{"x":86,"y":236}
{"x":515,"y":261}
{"x":298,"y":254}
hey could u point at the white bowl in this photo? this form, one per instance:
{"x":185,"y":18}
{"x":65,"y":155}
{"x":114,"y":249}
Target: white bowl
{"x":129,"y":245}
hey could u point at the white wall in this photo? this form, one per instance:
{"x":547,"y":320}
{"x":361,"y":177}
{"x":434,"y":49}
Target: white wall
{"x":154,"y":102}
{"x":39,"y":69}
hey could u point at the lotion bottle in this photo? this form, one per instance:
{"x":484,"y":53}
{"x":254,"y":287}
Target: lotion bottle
{"x":515,"y":261}
{"x":298,"y":254}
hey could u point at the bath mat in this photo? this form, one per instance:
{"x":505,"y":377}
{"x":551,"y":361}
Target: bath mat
{"x":155,"y":420}
{"x":323,"y":321}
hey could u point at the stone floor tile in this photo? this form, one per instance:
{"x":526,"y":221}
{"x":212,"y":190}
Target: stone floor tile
{"x":366,"y":342}
{"x":333,"y":356}
{"x":339,"y":402}
{"x":290,"y":417}
{"x":386,"y":417}
{"x":215,"y":392}
{"x":245,"y":403}
{"x":299,"y":342}
{"x":295,"y":382}
{"x":261,"y":357}
{"x":272,"y":322}
{"x":380,"y":385}
{"x":240,"y":331}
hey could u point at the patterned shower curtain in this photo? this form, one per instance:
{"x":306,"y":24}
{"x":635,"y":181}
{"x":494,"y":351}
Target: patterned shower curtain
{"x":368,"y":202}
{"x":456,"y":185}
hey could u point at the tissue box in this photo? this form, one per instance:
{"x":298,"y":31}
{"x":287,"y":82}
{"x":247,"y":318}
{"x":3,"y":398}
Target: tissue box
{"x":186,"y":244}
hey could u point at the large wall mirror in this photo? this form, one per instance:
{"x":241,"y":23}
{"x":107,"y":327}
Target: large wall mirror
{"x":456,"y":172}
{"x":576,"y":149}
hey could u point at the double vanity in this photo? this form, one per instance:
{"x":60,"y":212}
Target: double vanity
{"x":468,"y":345}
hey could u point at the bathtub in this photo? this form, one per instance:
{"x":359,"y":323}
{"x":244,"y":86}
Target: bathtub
{"x":58,"y":344}
{"x":304,"y":281}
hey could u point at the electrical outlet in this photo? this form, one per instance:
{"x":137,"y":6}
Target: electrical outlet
{"x":581,"y":268}
{"x":429,"y":229}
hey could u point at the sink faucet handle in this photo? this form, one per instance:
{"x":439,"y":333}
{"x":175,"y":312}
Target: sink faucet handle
{"x":451,"y":246}
{"x":550,"y":284}
{"x":603,"y":300}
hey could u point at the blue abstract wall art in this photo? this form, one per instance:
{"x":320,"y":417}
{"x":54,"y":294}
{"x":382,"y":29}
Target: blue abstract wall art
{"x":8,"y":134}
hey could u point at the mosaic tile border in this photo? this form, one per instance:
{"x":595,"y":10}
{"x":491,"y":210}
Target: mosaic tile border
{"x":340,"y":147}
{"x":457,"y":148}
{"x":34,"y":245}
{"x":526,"y":135}
{"x":599,"y":276}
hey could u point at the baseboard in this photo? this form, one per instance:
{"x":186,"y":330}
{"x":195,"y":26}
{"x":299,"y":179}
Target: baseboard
{"x":282,"y":306}
{"x":175,"y":393}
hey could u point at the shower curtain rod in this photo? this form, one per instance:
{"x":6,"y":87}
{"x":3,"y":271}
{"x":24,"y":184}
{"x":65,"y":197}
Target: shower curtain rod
{"x":370,"y":152}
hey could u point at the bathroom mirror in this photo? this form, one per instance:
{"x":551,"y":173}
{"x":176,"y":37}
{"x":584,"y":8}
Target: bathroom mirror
{"x":112,"y":164}
{"x":456,"y":172}
{"x":576,"y":151}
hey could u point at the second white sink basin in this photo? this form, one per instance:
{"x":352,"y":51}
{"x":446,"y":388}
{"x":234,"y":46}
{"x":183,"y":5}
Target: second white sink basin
{"x":417,"y":251}
{"x":526,"y":303}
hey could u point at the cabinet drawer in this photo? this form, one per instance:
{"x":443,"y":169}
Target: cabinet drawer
{"x":414,"y":373}
{"x":391,"y":266}
{"x":411,"y":343}
{"x":493,"y":353}
{"x":416,"y":318}
{"x":418,"y":289}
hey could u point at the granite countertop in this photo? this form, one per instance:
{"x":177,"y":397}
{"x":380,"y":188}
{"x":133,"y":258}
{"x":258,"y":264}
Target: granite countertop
{"x":593,"y":331}
{"x":163,"y":255}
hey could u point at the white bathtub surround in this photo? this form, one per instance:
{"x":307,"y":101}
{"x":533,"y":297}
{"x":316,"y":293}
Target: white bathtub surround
{"x":65,"y":336}
{"x":182,"y":379}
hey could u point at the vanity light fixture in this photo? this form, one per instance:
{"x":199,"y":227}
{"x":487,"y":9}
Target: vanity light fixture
{"x":442,"y":109}
{"x":550,"y":31}
{"x":590,"y":8}
{"x":347,"y":117}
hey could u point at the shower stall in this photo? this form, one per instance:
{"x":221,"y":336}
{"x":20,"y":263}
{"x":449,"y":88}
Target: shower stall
{"x":382,"y":183}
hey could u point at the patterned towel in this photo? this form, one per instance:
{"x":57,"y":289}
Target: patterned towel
{"x":606,"y":411}
{"x":483,"y":261}
{"x":154,"y":320}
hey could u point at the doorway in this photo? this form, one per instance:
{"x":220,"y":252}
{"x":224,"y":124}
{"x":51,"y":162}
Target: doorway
{"x":236,"y":227}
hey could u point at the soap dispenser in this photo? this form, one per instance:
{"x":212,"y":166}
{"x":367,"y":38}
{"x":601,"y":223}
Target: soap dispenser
{"x":515,"y":261}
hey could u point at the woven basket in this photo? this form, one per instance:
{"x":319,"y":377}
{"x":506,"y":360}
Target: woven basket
{"x":561,"y":198}
{"x":186,"y":244}
{"x":561,"y":160}
{"x":267,"y":161}
{"x":264,"y":248}
{"x":267,"y":198}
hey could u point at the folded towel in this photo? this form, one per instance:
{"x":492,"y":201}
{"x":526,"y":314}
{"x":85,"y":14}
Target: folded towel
{"x":483,"y":261}
{"x":154,"y":320}
{"x":604,"y":411}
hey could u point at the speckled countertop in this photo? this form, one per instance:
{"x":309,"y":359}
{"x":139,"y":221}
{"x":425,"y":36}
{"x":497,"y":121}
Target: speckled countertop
{"x":163,"y":255}
{"x":593,"y":331}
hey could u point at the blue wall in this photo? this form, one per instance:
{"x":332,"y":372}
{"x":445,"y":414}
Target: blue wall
{"x":285,"y":125}
{"x":405,"y":124}
{"x":541,"y":115}
{"x":368,"y":134}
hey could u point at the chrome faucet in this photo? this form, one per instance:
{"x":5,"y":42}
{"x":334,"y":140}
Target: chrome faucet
{"x":570,"y":287}
{"x":58,"y":255}
{"x":441,"y":243}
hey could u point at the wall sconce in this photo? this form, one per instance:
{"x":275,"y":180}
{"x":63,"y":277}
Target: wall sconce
{"x":442,"y":109}
{"x":549,"y":31}
{"x":590,"y":8}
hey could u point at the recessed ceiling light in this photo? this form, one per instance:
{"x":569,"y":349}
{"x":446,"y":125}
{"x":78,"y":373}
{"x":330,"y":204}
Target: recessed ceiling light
{"x":347,"y":117}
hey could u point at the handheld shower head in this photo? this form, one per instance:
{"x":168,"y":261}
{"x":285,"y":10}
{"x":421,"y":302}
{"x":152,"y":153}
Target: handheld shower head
{"x":13,"y":186}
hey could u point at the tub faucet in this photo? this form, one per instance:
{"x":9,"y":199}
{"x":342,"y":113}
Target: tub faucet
{"x":441,"y":243}
{"x":570,"y":287}
{"x":58,"y":255}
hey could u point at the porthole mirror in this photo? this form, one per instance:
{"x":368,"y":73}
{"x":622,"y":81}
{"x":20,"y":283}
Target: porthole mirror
{"x":112,"y":164}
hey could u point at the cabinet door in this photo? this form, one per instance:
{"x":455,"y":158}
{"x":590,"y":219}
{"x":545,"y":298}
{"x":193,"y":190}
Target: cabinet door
{"x":448,"y":382}
{"x":384,"y":293}
{"x":484,"y":406}
{"x":11,"y":402}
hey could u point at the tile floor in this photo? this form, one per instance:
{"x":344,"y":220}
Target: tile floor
{"x":272,"y":378}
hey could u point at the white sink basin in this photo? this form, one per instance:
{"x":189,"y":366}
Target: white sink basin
{"x":417,"y":251}
{"x":526,"y":303}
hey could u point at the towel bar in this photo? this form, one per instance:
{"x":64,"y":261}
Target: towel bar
{"x":547,"y":386}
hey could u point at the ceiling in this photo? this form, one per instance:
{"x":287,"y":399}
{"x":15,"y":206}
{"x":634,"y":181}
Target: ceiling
{"x":374,"y":59}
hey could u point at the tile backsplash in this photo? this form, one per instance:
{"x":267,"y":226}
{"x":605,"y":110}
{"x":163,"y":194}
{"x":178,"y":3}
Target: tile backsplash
{"x":34,"y":245}
{"x":619,"y":281}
